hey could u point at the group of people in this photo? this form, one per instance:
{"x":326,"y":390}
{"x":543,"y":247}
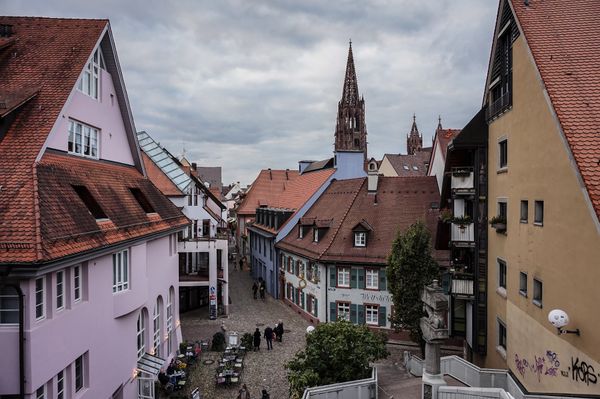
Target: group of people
{"x":269,"y":335}
{"x":244,"y":393}
{"x":259,"y":287}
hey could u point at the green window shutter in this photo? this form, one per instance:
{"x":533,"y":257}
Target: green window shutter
{"x":353,"y":278}
{"x":361,"y":279}
{"x":353,"y":313}
{"x":382,"y":316}
{"x":361,"y":314}
{"x":332,"y":311}
{"x":382,"y":280}
{"x":316,"y":308}
{"x":332,"y":276}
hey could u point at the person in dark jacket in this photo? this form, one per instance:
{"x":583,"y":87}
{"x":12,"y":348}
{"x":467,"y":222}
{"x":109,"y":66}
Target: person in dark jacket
{"x":257,"y":339}
{"x":269,"y":337}
{"x":255,"y":289}
{"x":279,"y":331}
{"x":261,"y":288}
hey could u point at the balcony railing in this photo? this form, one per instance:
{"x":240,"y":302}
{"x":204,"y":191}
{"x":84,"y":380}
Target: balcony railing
{"x":463,"y":234}
{"x":462,"y":180}
{"x":498,"y":106}
{"x":462,"y":284}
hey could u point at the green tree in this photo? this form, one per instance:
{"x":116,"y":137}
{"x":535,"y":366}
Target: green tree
{"x":410,"y":267}
{"x":335,"y":352}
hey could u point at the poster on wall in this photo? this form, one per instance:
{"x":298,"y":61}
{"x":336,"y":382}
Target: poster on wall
{"x":212,"y":307}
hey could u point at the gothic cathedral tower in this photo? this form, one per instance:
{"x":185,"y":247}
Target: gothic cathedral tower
{"x":351,"y":129}
{"x":414,"y":141}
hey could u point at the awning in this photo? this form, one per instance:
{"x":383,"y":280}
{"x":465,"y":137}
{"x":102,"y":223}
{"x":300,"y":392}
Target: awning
{"x":150,"y":364}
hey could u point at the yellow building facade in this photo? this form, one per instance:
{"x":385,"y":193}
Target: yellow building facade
{"x":548,"y":257}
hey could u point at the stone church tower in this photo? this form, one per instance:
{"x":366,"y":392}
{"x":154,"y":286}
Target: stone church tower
{"x":414,"y":141}
{"x":351,"y":129}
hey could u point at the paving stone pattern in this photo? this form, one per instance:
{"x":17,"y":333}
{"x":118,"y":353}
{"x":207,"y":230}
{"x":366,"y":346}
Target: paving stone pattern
{"x":261,"y":369}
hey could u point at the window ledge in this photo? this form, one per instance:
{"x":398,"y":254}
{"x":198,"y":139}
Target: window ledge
{"x":501,"y":291}
{"x":524,"y":221}
{"x":540,"y":224}
{"x":501,"y":351}
{"x":537,"y":303}
{"x":523,"y":293}
{"x":502,"y":170}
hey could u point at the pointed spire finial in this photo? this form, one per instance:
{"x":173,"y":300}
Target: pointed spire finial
{"x":439,"y":127}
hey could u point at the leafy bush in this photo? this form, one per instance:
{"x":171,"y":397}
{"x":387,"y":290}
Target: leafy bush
{"x":218,"y":342}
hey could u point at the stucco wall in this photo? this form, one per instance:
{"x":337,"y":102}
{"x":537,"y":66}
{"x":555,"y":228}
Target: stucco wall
{"x":90,"y":325}
{"x":563,"y":253}
{"x":386,"y":168}
{"x":103,"y":114}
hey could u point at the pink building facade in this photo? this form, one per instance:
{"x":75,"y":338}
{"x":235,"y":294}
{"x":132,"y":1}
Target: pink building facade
{"x":88,"y":246}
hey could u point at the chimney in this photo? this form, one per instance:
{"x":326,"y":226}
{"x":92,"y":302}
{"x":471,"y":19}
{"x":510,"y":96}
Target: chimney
{"x":194,"y":165}
{"x":270,"y":174}
{"x":286,"y":174}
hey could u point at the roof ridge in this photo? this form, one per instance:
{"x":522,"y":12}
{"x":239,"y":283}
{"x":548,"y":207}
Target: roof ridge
{"x":343,"y":218}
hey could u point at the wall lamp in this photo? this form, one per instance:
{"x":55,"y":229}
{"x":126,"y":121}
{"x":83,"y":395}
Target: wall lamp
{"x":559,"y":319}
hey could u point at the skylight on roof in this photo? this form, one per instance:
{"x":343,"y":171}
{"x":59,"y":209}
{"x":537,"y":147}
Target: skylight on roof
{"x":415,"y":168}
{"x":142,"y":200}
{"x":90,"y":202}
{"x":406,"y":167}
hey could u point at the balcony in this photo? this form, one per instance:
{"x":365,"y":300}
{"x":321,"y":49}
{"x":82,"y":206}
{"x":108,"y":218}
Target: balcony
{"x":462,"y":181}
{"x":498,"y":106}
{"x":458,"y":284}
{"x":200,"y":277}
{"x":463,"y":235}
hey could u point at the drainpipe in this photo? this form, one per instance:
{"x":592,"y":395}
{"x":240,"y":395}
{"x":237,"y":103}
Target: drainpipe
{"x":21,"y":342}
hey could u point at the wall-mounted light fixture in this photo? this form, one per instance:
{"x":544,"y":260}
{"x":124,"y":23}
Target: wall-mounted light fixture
{"x":559,"y":319}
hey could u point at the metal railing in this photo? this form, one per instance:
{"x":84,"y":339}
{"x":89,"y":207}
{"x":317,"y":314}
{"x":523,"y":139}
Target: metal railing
{"x":358,"y":389}
{"x":498,"y":106}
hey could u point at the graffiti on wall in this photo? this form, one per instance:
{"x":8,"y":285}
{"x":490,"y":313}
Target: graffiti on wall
{"x":548,"y":364}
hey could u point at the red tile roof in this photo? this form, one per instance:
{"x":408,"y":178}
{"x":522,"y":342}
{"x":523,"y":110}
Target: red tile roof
{"x":66,"y":225}
{"x":346,"y":204}
{"x":266,"y":189}
{"x":47,"y":54}
{"x":405,"y":165}
{"x":564,"y":38}
{"x":298,"y":192}
{"x":444,"y":137}
{"x":160,"y":180}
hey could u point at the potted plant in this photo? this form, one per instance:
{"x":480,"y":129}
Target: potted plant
{"x":445,"y":215}
{"x":498,"y":222}
{"x":462,"y":221}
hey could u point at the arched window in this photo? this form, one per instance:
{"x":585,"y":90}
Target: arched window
{"x":141,"y":331}
{"x":9,"y":305}
{"x":170,"y":320}
{"x":156,"y":324}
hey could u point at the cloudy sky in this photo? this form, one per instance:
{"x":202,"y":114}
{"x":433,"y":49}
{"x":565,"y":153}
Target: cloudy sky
{"x":254,"y":84}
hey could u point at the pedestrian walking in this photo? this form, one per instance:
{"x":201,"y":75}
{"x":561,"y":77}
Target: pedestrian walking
{"x":254,"y":289}
{"x":243,"y":393}
{"x":262,"y":289}
{"x":257,"y":340}
{"x":241,"y":264}
{"x":269,"y":337}
{"x":265,"y":394}
{"x":279,"y":330}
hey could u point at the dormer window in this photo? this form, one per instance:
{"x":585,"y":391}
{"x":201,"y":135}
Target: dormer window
{"x":90,"y":202}
{"x":142,"y":200}
{"x":300,"y":231}
{"x":89,"y":83}
{"x":316,"y":234}
{"x":83,"y":140}
{"x":360,"y":239}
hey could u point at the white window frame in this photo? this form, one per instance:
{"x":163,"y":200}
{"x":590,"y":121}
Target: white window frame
{"x":499,"y":345}
{"x":372,"y":315}
{"x":343,"y":311}
{"x":140,"y":335}
{"x":372,"y":279}
{"x":156,"y":325}
{"x":60,"y":385}
{"x":343,"y":277}
{"x":501,"y":167}
{"x":82,"y":136}
{"x":60,"y":290}
{"x":169,"y":312}
{"x":360,"y":239}
{"x":40,"y":393}
{"x":89,"y":82}
{"x":81,"y":377}
{"x":77,"y":283}
{"x":538,"y":213}
{"x":523,"y":289}
{"x":10,"y":298}
{"x":121,"y":271}
{"x":315,"y":234}
{"x":40,"y":303}
{"x":500,"y":289}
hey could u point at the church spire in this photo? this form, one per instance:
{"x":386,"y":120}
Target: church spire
{"x":439,"y":127}
{"x":414,"y":141}
{"x":350,"y":91}
{"x":351,"y":129}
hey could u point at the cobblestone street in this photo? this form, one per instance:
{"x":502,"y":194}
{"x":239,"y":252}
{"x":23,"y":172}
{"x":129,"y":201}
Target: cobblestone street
{"x":261,"y":369}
